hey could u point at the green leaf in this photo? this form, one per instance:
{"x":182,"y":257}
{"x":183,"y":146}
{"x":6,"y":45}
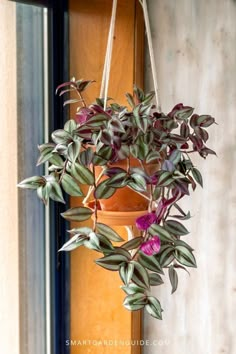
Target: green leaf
{"x":165,"y":179}
{"x":173,"y":278}
{"x":73,"y":243}
{"x":161,"y":232}
{"x":175,"y":156}
{"x":184,"y":130}
{"x":141,"y":122}
{"x":138,"y":183}
{"x":108,"y":232}
{"x":117,"y":181}
{"x":130,"y":100}
{"x":86,"y":156}
{"x":80,"y":230}
{"x":157,"y":193}
{"x":155,"y":279}
{"x":32,"y":182}
{"x":70,"y":126}
{"x":121,"y":250}
{"x":73,"y":100}
{"x":82,"y":174}
{"x":152,"y":156}
{"x":185,"y":113}
{"x":182,"y":243}
{"x":132,"y":244}
{"x":150,"y":262}
{"x":140,"y":275}
{"x":167,"y":256}
{"x":184,"y":256}
{"x":56,"y":160}
{"x":197,"y":176}
{"x":132,"y":288}
{"x":105,"y":244}
{"x":105,"y":152}
{"x":112,"y":261}
{"x":46,"y":152}
{"x":43,"y":192}
{"x":56,"y":193}
{"x":176,"y":228}
{"x":93,"y":242}
{"x":98,"y":120}
{"x":77,"y":214}
{"x":153,"y":307}
{"x":103,"y":191}
{"x":70,"y":186}
{"x":60,"y":136}
{"x":135,"y":301}
{"x":73,"y":150}
{"x":182,"y":217}
{"x":126,"y":271}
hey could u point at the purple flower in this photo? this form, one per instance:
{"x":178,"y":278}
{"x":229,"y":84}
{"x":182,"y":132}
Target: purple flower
{"x":151,"y":246}
{"x":145,"y":221}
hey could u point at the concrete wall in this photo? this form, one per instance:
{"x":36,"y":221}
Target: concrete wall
{"x":195,"y":49}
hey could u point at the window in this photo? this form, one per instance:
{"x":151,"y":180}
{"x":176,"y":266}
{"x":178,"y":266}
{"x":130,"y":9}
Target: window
{"x":32,"y":64}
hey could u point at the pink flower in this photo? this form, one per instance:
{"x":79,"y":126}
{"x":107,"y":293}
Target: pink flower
{"x":145,"y":221}
{"x":151,"y":246}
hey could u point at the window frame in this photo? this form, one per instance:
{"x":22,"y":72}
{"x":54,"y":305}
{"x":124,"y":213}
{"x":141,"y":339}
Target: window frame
{"x":58,"y":65}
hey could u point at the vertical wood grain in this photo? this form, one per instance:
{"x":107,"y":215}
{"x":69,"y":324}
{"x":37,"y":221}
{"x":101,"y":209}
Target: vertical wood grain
{"x":194,"y":44}
{"x":96,"y":299}
{"x":9,"y":272}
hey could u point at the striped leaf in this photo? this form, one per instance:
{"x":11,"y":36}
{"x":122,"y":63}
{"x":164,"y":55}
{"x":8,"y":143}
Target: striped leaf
{"x":112,"y":262}
{"x":153,"y":307}
{"x":108,"y":232}
{"x":103,"y":191}
{"x":70,"y":186}
{"x":73,"y":243}
{"x":73,"y":150}
{"x":164,"y":235}
{"x":126,"y":272}
{"x":155,"y":279}
{"x":150,"y":262}
{"x":167,"y":256}
{"x":173,"y":278}
{"x":140,"y":275}
{"x":197,"y":176}
{"x":135,"y":301}
{"x":82,"y":174}
{"x":77,"y":214}
{"x":184,"y":256}
{"x":132,"y":244}
{"x":165,"y":179}
{"x":176,"y":228}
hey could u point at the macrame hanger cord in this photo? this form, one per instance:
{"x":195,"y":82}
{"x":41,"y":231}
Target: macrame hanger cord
{"x":151,"y":52}
{"x":108,"y":57}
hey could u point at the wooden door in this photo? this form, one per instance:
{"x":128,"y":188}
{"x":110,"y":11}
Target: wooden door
{"x":97,"y":314}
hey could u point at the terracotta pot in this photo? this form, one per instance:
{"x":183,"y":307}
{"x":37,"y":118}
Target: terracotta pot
{"x":125,"y":199}
{"x":116,"y":218}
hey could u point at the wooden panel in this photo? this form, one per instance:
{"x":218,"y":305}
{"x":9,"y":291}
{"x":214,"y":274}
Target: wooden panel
{"x":194,"y":43}
{"x":9,"y":270}
{"x":96,"y":300}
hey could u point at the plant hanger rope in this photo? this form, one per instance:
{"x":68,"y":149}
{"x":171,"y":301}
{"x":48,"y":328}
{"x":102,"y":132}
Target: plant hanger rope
{"x":108,"y":57}
{"x":151,"y":52}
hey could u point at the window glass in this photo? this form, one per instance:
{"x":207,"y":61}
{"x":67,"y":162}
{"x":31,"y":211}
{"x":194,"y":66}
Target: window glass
{"x":31,"y":108}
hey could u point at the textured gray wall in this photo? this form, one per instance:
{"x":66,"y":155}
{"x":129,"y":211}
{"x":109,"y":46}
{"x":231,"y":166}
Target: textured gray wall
{"x":195,"y":49}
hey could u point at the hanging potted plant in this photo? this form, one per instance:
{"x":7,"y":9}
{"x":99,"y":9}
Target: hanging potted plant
{"x":116,"y":150}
